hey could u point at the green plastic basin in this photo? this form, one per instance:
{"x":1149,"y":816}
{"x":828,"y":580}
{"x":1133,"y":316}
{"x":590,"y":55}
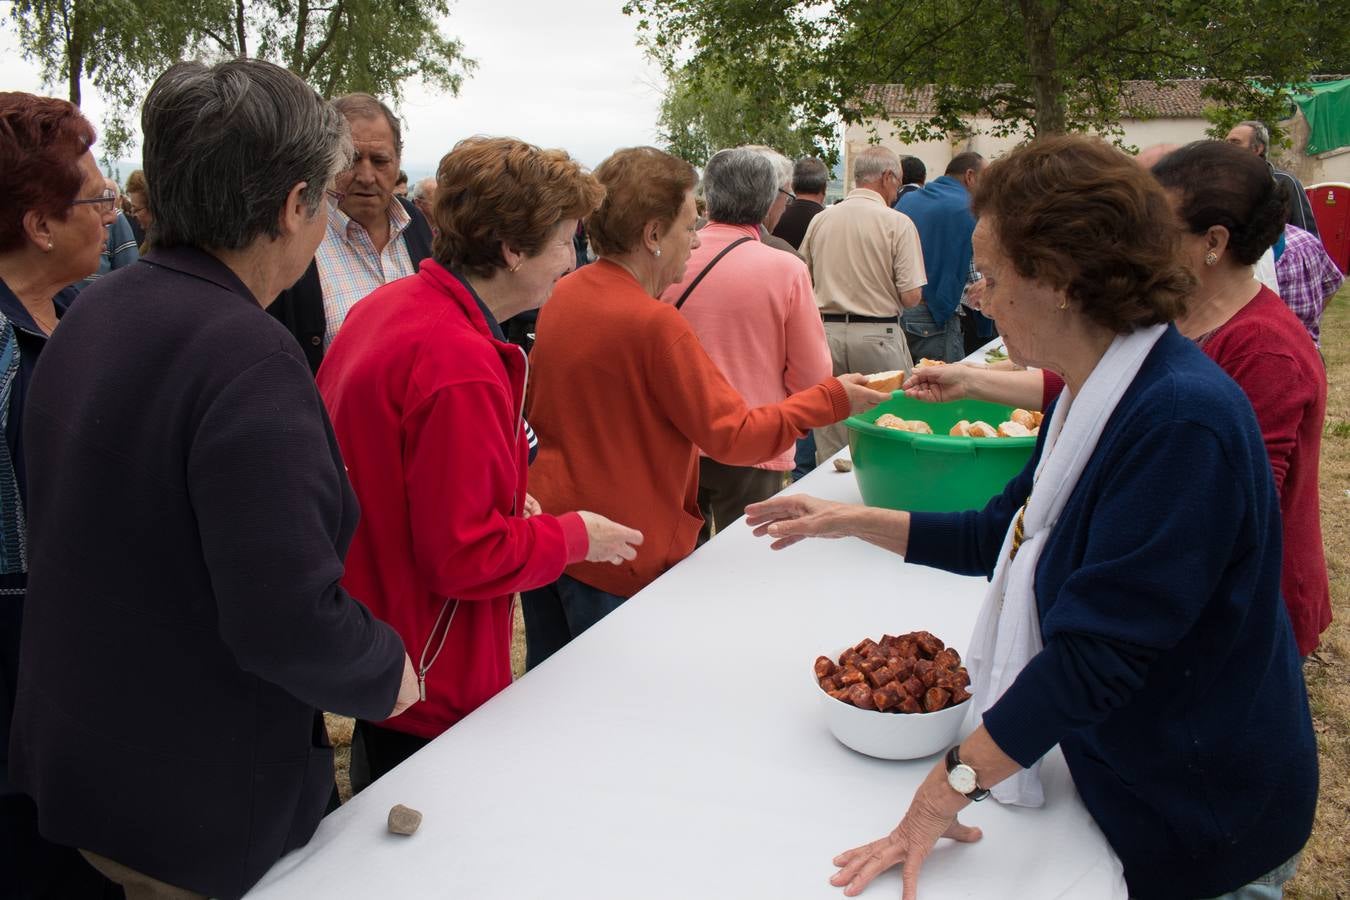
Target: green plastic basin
{"x":933,"y":472}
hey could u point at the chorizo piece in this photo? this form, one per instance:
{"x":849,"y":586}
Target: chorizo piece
{"x":877,"y":677}
{"x":909,"y":705}
{"x":887,"y":696}
{"x":936,"y":698}
{"x":872,"y":663}
{"x":860,"y":695}
{"x":849,"y":676}
{"x":947,"y":658}
{"x":825,"y":666}
{"x":914,"y":687}
{"x":929,"y":644}
{"x":850,"y":657}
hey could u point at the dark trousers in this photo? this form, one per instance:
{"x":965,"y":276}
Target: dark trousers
{"x":558,"y":612}
{"x":376,"y":751}
{"x":806,"y":456}
{"x":725,"y":491}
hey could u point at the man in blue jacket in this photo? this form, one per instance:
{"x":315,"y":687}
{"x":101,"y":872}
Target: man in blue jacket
{"x":941,"y":213}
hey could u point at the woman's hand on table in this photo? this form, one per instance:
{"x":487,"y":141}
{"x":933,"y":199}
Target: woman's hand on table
{"x":609,"y":542}
{"x":931,"y":815}
{"x":861,"y":398}
{"x":799,"y":516}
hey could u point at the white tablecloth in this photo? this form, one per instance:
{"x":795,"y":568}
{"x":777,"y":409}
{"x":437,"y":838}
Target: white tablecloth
{"x":676,"y":750}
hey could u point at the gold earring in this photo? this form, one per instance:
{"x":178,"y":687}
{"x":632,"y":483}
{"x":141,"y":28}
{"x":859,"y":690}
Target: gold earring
{"x":1211,"y":258}
{"x":515,"y":267}
{"x":1064,"y":304}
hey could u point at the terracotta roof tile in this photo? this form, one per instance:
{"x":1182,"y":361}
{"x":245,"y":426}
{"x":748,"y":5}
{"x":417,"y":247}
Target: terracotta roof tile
{"x":1179,"y":99}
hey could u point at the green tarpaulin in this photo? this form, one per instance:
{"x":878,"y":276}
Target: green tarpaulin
{"x":1326,"y":106}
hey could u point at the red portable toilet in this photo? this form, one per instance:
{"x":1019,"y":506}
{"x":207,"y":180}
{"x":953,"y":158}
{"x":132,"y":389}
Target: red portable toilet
{"x":1331,"y":208}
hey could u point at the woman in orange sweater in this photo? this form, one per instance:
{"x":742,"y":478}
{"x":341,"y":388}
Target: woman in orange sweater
{"x":623,"y":396}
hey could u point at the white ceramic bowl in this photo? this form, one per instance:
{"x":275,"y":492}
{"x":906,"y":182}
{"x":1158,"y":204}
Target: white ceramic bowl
{"x":888,"y":735}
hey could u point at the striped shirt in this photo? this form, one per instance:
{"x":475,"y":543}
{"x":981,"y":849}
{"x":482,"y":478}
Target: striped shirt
{"x":350,"y":267}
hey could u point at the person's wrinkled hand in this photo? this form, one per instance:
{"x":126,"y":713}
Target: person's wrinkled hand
{"x":938,"y":384}
{"x":531,"y":508}
{"x":408,"y":689}
{"x":610,"y":542}
{"x":796,"y":517}
{"x":931,"y":815}
{"x":861,"y":398}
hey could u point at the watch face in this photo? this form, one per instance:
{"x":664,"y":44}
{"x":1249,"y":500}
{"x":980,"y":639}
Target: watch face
{"x":962,"y":779}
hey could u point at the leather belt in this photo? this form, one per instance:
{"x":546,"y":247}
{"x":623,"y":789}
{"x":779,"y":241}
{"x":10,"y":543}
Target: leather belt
{"x":850,"y":317}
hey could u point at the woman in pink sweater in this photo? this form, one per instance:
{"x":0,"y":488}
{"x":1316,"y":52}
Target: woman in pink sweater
{"x":755,"y":314}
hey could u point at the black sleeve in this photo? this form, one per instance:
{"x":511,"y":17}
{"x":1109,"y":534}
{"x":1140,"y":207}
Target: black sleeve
{"x":268,"y":489}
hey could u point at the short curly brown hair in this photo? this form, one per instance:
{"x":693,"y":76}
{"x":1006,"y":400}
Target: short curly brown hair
{"x":493,"y":190}
{"x":1079,"y":215}
{"x":641,"y":184}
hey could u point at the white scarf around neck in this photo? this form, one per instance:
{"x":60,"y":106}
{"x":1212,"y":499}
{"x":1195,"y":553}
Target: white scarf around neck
{"x":1007,"y":630}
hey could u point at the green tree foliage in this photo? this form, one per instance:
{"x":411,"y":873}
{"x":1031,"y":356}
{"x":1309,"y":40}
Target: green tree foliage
{"x":1032,"y":66}
{"x":700,"y":116}
{"x":340,"y":46}
{"x":114,"y":44}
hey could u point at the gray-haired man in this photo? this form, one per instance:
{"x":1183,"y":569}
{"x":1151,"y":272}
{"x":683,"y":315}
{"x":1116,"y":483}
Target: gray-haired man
{"x":1255,"y":137}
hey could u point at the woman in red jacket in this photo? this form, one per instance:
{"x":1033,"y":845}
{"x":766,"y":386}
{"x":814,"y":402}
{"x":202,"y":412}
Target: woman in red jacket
{"x":426,"y":397}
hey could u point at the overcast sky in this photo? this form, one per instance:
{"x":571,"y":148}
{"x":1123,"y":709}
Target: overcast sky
{"x":558,"y":74}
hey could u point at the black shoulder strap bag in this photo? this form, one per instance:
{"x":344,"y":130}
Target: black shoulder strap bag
{"x":708,"y":268}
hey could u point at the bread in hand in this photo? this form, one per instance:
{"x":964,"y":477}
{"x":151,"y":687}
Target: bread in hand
{"x":886,"y":382}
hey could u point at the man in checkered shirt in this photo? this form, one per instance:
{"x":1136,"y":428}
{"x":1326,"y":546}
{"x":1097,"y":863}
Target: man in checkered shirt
{"x":1308,"y":278}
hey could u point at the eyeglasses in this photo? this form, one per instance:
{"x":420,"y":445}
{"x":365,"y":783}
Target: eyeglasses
{"x":788,"y":194}
{"x":335,"y":198}
{"x":103,"y":202}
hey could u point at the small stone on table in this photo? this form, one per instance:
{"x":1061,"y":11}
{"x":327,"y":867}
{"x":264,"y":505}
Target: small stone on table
{"x":403,"y":819}
{"x":843,"y":465}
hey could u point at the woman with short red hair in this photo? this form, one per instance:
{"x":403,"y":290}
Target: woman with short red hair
{"x":425,"y":395}
{"x":52,"y":230}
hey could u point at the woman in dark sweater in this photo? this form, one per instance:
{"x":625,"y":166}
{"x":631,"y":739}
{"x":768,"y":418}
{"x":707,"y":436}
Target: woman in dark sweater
{"x":189,"y":519}
{"x":1146,"y":560}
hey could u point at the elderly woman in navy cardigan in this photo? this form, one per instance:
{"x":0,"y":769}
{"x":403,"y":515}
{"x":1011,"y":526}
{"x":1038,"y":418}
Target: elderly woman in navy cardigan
{"x":1134,"y":614}
{"x":185,"y":622}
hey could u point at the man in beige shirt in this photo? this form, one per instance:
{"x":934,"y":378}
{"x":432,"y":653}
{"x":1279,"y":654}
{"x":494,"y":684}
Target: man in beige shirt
{"x":867,"y":266}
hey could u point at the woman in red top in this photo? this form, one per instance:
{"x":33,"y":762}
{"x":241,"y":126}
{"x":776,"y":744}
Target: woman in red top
{"x":623,"y":396}
{"x":1232,"y":210}
{"x":426,"y":397}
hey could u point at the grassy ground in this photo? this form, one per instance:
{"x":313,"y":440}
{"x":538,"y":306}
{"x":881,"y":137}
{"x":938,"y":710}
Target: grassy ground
{"x":1325,"y":871}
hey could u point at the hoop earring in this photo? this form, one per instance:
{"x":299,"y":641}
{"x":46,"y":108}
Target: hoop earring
{"x":1211,"y":258}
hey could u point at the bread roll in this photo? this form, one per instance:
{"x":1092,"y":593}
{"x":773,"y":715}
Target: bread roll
{"x":1024,"y":418}
{"x":1013,"y":429}
{"x":894,"y":422}
{"x":886,"y":382}
{"x":928,"y":363}
{"x":961,"y":429}
{"x":982,"y":430}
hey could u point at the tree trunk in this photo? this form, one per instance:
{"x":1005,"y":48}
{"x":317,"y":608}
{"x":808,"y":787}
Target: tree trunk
{"x":240,"y":34}
{"x":70,"y":15}
{"x":301,"y":26}
{"x":1047,"y":83}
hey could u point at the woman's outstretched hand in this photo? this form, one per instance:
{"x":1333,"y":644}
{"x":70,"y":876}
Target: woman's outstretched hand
{"x":798,"y":516}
